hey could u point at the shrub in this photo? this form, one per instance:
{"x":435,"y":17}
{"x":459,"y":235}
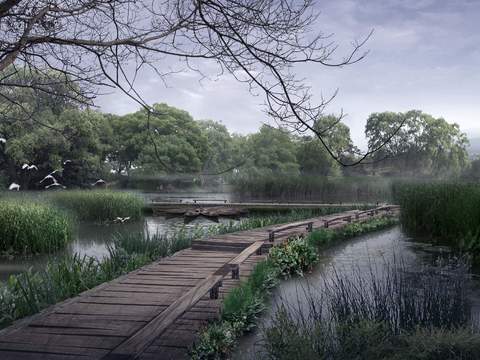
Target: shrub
{"x":293,"y":257}
{"x":99,"y":205}
{"x":30,"y":228}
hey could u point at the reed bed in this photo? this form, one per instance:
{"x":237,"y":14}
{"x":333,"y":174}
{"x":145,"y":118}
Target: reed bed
{"x":98,"y":205}
{"x":31,"y":228}
{"x":379,"y":313}
{"x":313,"y":188}
{"x":445,"y":211}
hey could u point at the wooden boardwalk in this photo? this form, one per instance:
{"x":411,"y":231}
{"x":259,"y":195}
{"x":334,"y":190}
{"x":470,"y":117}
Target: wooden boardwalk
{"x":155,"y":312}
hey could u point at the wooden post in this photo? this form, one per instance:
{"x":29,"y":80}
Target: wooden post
{"x":236,"y":271}
{"x":357,"y":216}
{"x":214,"y":290}
{"x":271,"y":236}
{"x":325,"y":224}
{"x":310,"y":227}
{"x":349,"y":219}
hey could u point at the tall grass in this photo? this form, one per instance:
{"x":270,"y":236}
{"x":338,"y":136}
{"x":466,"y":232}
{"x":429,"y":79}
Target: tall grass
{"x":379,"y":313}
{"x":30,"y":228}
{"x":98,"y":205}
{"x":32,"y":291}
{"x":446,"y":211}
{"x":313,"y":188}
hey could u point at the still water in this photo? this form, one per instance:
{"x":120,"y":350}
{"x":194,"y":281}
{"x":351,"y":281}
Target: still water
{"x":92,"y":239}
{"x":357,"y":255}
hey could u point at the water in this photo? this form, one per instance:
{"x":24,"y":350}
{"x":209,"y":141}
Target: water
{"x":378,"y":249}
{"x":92,"y":240}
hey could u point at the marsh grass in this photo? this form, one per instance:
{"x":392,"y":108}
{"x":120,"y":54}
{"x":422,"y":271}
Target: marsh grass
{"x":98,"y":205}
{"x":313,"y":188}
{"x":448,"y":212}
{"x":31,"y":228}
{"x":379,"y":313}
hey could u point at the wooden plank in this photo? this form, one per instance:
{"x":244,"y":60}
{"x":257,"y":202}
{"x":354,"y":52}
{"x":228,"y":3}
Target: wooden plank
{"x":137,"y":343}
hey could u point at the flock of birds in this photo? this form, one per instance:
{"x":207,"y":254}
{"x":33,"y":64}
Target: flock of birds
{"x":50,"y":178}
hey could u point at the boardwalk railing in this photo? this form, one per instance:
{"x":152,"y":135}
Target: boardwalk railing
{"x":272,"y":232}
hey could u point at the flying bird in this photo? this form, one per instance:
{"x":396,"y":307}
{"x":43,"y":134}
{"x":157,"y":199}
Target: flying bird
{"x":49,"y":176}
{"x":121,"y":220}
{"x":55,"y":184}
{"x":67,"y":162}
{"x":14,"y":186}
{"x":3,"y":140}
{"x":29,"y":167}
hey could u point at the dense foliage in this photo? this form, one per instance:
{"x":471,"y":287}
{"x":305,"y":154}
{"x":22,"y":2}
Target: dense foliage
{"x":82,"y":145}
{"x":99,"y":205}
{"x":31,"y":228}
{"x":424,"y":146}
{"x":443,"y":211}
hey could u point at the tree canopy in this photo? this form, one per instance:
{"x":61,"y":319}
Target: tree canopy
{"x":424,"y":146}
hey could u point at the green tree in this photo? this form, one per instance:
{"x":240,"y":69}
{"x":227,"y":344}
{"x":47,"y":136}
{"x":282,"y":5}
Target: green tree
{"x":425,"y":145}
{"x":312,"y":156}
{"x":219,"y":155}
{"x":169,"y":141}
{"x":271,"y":150}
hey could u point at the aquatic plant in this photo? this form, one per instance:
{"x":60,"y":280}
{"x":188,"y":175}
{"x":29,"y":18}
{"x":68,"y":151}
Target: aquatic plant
{"x":98,"y":205}
{"x":293,"y":257}
{"x":444,"y":211}
{"x":313,"y":188}
{"x":31,"y":228}
{"x":379,"y":313}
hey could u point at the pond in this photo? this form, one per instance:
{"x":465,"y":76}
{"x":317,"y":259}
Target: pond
{"x":92,"y":239}
{"x":380,"y":248}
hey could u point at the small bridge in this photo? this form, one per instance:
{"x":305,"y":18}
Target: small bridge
{"x":157,"y":311}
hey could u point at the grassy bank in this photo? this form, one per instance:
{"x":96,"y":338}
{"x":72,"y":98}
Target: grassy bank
{"x":243,"y":305}
{"x":448,"y":212}
{"x":31,"y":228}
{"x":98,"y":205}
{"x":314,"y":188}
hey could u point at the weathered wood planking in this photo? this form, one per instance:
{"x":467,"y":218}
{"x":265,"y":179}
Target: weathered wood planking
{"x":157,"y":309}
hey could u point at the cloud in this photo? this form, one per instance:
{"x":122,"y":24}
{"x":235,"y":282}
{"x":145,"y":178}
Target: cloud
{"x":424,"y":54}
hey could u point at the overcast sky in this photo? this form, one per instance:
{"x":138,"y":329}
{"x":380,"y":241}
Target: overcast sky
{"x":424,"y":54}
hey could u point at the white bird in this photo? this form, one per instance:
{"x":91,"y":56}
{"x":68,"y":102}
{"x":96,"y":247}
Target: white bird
{"x":67,"y":162}
{"x":121,"y":220}
{"x":49,"y":176}
{"x":55,"y":184}
{"x":29,"y":167}
{"x":3,"y":140}
{"x":14,"y":186}
{"x":99,"y":182}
